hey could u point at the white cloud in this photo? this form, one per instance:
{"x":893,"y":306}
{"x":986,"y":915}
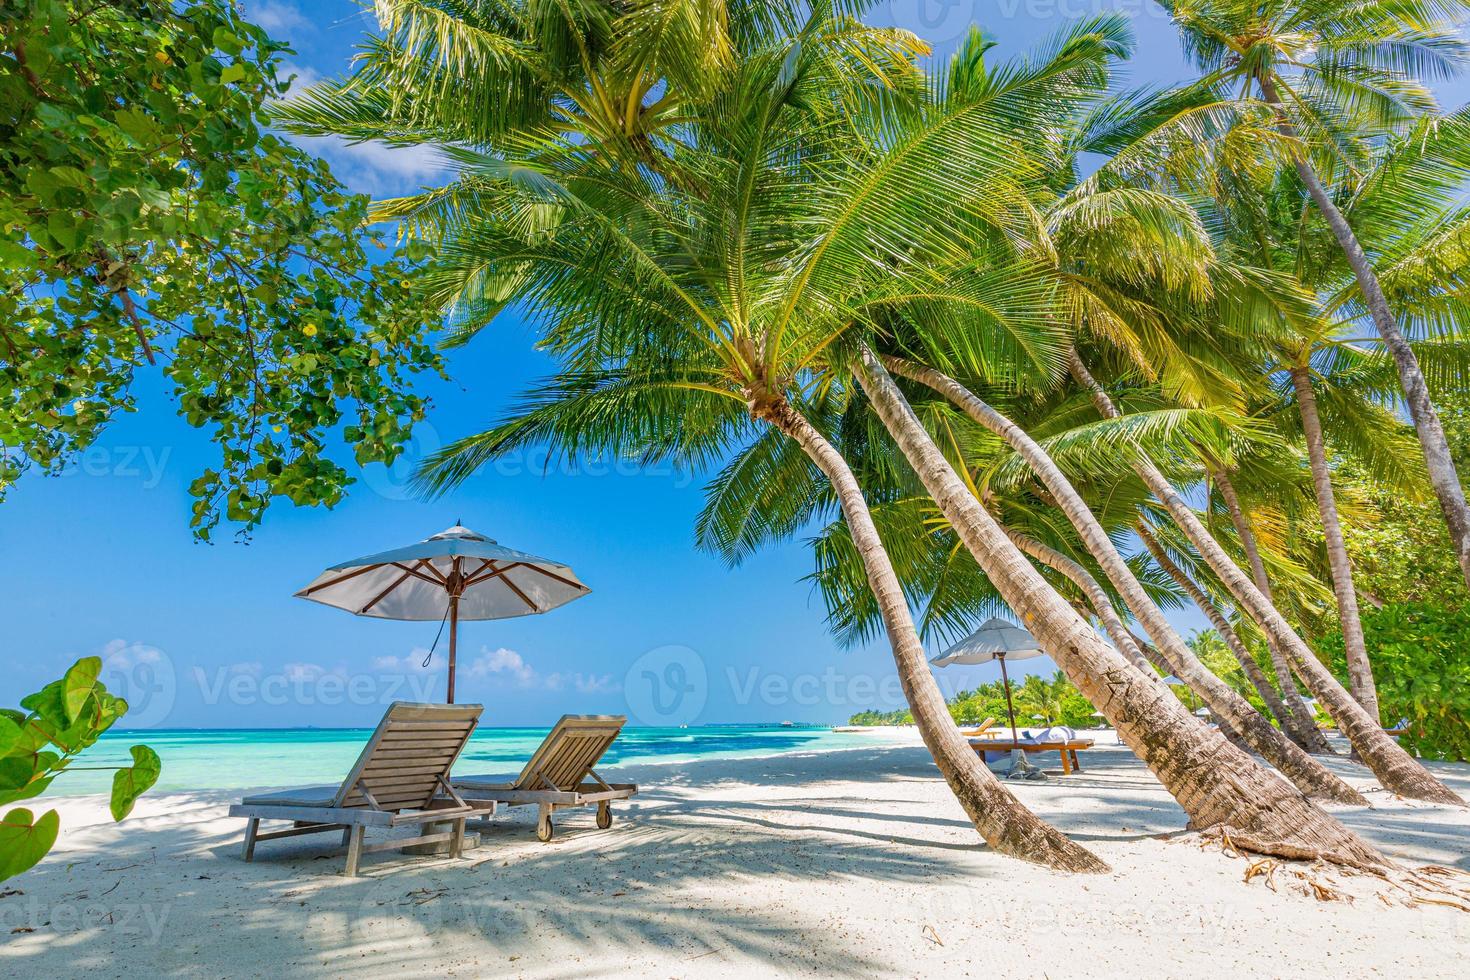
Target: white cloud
{"x":507,"y":665}
{"x":503,"y":662}
{"x":368,"y":168}
{"x":302,"y":78}
{"x":376,"y":168}
{"x":277,"y":17}
{"x":411,"y":662}
{"x":305,"y":673}
{"x":123,"y":654}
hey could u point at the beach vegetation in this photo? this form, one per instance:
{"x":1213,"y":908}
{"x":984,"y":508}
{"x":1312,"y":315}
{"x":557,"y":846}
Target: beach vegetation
{"x":155,"y":231}
{"x":40,"y":740}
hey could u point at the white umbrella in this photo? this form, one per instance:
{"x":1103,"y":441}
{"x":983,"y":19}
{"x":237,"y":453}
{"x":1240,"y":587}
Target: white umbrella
{"x":456,"y":574}
{"x":995,"y":640}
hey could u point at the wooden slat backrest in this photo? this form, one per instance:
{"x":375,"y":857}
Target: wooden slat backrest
{"x":569,"y":751}
{"x":410,"y":749}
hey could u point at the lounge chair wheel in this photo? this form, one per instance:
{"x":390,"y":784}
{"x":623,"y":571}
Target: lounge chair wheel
{"x":544,"y":828}
{"x":604,"y":816}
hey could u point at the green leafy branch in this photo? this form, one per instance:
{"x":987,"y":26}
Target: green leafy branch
{"x":39,"y":742}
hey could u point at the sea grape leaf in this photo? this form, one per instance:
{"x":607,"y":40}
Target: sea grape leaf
{"x":10,"y":735}
{"x":25,"y":839}
{"x":78,"y":685}
{"x":132,"y":782}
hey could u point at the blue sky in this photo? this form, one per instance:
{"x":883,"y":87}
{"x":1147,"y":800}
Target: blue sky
{"x":100,"y":560}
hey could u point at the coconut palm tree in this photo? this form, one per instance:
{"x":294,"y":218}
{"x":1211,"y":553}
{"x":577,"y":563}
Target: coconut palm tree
{"x":690,"y":303}
{"x":1107,"y":243}
{"x":1337,"y":73}
{"x":590,"y":141}
{"x":726,"y":291}
{"x":1298,"y":719}
{"x":1228,"y":637}
{"x":1280,"y":819}
{"x":1394,"y":767}
{"x":1309,"y":775}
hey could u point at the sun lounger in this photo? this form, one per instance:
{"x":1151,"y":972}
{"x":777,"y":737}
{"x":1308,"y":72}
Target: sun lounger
{"x":1067,"y":747}
{"x":556,"y":776}
{"x":401,"y":778}
{"x":982,"y":730}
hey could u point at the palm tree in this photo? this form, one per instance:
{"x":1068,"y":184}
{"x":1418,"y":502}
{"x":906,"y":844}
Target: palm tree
{"x":1302,"y":723}
{"x":1335,"y":72}
{"x":690,"y":301}
{"x":1395,"y":768}
{"x":1309,"y":775}
{"x":1275,"y":818}
{"x":683,"y":307}
{"x":1134,"y":223}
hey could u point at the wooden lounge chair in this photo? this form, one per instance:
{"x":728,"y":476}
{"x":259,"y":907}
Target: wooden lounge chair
{"x":982,"y":730}
{"x":555,"y":777}
{"x":1068,"y":747}
{"x":401,"y":778}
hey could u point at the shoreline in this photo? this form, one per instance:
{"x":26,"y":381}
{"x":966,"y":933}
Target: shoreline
{"x":834,"y":861}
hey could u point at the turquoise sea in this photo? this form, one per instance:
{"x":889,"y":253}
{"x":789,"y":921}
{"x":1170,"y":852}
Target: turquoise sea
{"x":208,"y":759}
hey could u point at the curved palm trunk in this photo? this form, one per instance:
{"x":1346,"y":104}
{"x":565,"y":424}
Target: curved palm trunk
{"x":1217,"y":619}
{"x":1097,"y":597}
{"x":1396,"y":769}
{"x":1309,"y":775}
{"x":1215,"y":783}
{"x":999,"y":817}
{"x":1243,"y":529}
{"x":1437,"y":456}
{"x":1303,"y":721}
{"x":1360,"y":670}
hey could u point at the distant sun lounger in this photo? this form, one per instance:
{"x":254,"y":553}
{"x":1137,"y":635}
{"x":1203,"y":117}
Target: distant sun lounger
{"x":556,"y":775}
{"x":401,"y":778}
{"x":982,"y":730}
{"x":1066,"y":747}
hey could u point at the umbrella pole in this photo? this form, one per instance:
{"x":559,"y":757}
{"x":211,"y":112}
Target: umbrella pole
{"x":453,"y":635}
{"x":455,"y":586}
{"x":1005,"y":679}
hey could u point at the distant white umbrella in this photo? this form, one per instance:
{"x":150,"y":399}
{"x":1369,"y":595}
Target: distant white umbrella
{"x":455,"y":574}
{"x":995,"y":640}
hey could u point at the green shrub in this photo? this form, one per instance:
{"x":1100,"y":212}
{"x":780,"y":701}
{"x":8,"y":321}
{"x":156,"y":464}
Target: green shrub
{"x":1421,"y":663}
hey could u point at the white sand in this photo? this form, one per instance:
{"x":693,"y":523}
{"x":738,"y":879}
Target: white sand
{"x":845,"y":862}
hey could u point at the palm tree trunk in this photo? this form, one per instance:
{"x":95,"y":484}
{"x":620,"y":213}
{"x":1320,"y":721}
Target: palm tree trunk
{"x":1243,"y":528}
{"x":1217,"y":619}
{"x":1437,"y":457}
{"x":1303,"y":720}
{"x":1310,"y":776}
{"x":1215,"y":783}
{"x":1097,"y":597}
{"x":1396,"y":769}
{"x":999,"y":817}
{"x":1360,"y":670}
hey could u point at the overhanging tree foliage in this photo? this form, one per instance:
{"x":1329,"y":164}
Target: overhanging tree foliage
{"x":149,"y":217}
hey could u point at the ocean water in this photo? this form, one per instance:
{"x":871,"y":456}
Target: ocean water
{"x":208,"y":759}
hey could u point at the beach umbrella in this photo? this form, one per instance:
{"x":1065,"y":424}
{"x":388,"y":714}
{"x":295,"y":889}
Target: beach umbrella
{"x":995,"y":640}
{"x":453,"y":575}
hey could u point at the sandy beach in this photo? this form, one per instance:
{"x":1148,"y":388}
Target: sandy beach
{"x":845,"y":862}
